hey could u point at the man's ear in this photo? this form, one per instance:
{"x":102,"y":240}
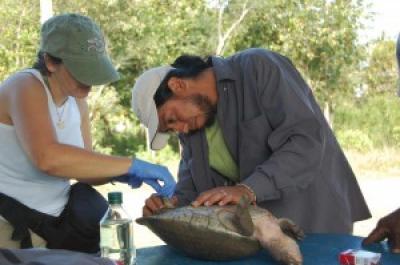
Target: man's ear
{"x":178,"y":86}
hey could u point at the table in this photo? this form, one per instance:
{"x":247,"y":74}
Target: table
{"x":317,"y":249}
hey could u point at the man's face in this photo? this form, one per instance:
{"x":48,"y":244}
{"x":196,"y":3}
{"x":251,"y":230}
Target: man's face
{"x":186,"y":115}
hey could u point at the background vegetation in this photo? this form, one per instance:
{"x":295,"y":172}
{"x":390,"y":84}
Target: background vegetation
{"x":354,"y":83}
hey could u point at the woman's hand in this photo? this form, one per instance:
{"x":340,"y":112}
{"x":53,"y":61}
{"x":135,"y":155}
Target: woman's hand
{"x":158,"y":177}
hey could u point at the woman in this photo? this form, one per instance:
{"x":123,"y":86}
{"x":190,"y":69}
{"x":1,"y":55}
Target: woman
{"x":45,"y":138}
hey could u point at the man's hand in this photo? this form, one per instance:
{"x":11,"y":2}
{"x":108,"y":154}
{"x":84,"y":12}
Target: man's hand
{"x":223,"y":196}
{"x":388,"y":227}
{"x":155,"y":203}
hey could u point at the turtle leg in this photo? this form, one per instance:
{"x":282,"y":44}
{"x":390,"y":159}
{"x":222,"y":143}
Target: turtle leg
{"x":282,"y":247}
{"x":291,"y":229}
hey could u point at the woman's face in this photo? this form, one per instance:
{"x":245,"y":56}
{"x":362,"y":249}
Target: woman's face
{"x":69,"y":85}
{"x":64,"y":82}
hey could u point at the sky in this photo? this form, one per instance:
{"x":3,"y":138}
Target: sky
{"x":386,"y":19}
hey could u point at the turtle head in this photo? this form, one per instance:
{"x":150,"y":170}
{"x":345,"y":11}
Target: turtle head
{"x":168,"y":203}
{"x":242,"y":218}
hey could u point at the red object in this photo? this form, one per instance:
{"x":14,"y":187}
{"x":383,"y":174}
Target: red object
{"x":359,"y":257}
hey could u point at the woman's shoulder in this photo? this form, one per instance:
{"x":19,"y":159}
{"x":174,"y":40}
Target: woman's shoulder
{"x":22,"y":82}
{"x":19,"y":89}
{"x":21,"y":79}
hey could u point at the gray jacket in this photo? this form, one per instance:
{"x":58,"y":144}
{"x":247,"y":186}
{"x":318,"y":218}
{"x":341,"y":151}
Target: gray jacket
{"x":279,"y":138}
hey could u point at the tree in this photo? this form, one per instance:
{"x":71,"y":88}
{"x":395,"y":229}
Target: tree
{"x":19,"y":35}
{"x":380,"y":74}
{"x":46,"y":10}
{"x":223,"y":7}
{"x":144,"y":34}
{"x":319,"y":36}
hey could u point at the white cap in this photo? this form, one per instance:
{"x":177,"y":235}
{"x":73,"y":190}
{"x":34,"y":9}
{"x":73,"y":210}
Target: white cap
{"x":144,"y":107}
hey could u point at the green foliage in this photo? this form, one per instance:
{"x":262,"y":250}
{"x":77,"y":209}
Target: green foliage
{"x":114,"y":129}
{"x":381,"y":74}
{"x":166,"y":154}
{"x":396,"y":134}
{"x":373,"y":120}
{"x":320,"y":37}
{"x":145,"y":34}
{"x":19,"y":35}
{"x":354,"y":139}
{"x":142,"y":34}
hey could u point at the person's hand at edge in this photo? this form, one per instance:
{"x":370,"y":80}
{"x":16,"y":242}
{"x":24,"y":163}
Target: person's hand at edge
{"x":387,"y":227}
{"x":155,"y":203}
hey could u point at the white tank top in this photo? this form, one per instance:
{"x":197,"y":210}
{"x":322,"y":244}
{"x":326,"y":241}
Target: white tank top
{"x":20,"y":179}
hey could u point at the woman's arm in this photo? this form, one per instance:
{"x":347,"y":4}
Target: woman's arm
{"x":87,"y":137}
{"x":28,"y":110}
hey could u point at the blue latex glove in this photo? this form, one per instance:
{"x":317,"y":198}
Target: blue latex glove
{"x":126,"y":178}
{"x":151,"y":174}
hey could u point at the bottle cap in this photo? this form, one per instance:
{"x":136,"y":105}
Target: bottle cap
{"x":115,"y":197}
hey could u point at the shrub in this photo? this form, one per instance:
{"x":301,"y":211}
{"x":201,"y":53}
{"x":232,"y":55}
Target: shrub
{"x":374,"y":118}
{"x":355,"y":140}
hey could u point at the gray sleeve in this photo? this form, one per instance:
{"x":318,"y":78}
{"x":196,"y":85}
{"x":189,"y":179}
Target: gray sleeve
{"x":185,"y":189}
{"x":296,"y":140}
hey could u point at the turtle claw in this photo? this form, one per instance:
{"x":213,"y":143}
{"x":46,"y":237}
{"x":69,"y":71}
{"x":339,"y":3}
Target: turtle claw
{"x":291,"y":229}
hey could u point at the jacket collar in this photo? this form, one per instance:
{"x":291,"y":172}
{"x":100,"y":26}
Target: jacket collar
{"x":222,"y":69}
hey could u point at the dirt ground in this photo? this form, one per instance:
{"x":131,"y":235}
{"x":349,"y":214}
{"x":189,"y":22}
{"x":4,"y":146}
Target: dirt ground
{"x":381,"y":193}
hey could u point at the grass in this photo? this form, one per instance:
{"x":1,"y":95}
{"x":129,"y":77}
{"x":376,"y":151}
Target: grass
{"x":382,"y":163}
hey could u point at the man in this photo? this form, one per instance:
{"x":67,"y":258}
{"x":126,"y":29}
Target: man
{"x":249,"y":125}
{"x":389,"y":226}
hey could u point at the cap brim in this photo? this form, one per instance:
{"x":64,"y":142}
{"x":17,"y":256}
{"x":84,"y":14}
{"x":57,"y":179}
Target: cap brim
{"x":157,"y":140}
{"x":92,"y":71}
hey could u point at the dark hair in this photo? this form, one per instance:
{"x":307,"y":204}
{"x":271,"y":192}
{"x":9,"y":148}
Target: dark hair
{"x":40,"y":63}
{"x":186,"y":66}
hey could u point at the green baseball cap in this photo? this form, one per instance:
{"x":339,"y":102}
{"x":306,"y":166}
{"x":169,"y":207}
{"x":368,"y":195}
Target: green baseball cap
{"x":79,"y":42}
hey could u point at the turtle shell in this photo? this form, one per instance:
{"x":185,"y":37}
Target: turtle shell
{"x":210,"y":233}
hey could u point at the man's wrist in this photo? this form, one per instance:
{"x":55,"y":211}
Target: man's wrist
{"x":251,"y":194}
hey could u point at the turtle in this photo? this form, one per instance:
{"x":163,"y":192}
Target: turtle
{"x":227,"y":232}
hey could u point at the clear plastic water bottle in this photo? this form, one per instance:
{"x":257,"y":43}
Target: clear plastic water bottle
{"x":116,"y":233}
